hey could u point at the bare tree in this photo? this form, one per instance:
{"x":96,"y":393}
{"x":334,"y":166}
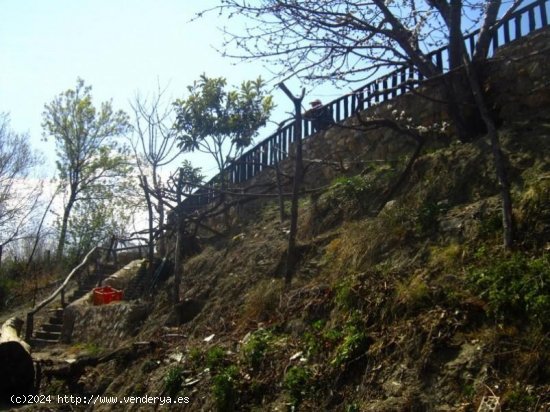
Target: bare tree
{"x":19,"y":195}
{"x":344,"y":40}
{"x":154,"y":147}
{"x":352,"y":40}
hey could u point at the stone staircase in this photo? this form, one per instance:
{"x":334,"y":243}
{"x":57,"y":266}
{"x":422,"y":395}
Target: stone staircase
{"x":50,"y":331}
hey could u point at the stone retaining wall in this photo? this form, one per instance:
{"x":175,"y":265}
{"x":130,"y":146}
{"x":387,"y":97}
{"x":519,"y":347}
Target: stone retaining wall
{"x":516,"y":82}
{"x":105,"y":325}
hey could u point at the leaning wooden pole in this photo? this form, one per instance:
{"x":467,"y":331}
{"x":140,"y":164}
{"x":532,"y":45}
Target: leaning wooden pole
{"x":297,"y":184}
{"x":16,"y":365}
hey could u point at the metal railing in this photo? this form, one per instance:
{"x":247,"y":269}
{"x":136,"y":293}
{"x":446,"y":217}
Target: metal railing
{"x":275,"y":148}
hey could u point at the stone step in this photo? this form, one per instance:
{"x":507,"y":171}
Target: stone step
{"x":51,"y":327}
{"x":57,"y":312}
{"x":36,"y":342}
{"x":54,"y":320}
{"x":48,"y":335}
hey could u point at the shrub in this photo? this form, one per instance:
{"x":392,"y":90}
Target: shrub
{"x":520,"y":399}
{"x":195,"y":356}
{"x":173,"y":380}
{"x":354,"y":344}
{"x":516,"y":286}
{"x":255,"y":348}
{"x":215,"y":357}
{"x":319,"y":340}
{"x":346,"y":296}
{"x":224,"y":389}
{"x":296,"y":382}
{"x":350,"y":194}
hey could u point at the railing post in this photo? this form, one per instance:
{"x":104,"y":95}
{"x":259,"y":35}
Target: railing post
{"x":532,"y":22}
{"x":543,"y":16}
{"x":274,"y":148}
{"x":517,"y":22}
{"x":29,"y":326}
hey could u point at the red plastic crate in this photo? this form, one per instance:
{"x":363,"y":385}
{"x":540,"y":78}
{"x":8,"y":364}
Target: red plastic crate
{"x":106,"y":294}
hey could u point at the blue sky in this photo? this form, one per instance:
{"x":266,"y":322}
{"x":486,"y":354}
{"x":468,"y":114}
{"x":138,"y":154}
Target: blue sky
{"x":119,"y":47}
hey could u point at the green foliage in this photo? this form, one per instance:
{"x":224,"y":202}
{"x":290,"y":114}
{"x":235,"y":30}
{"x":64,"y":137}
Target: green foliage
{"x":195,"y":356}
{"x":427,"y":219}
{"x":220,"y":122}
{"x":490,"y":225}
{"x":191,"y":176}
{"x":215,"y":357}
{"x":354,"y":344}
{"x":224,"y":389}
{"x":255,"y":348}
{"x":350,"y":194}
{"x":515,"y":286}
{"x":93,"y":222}
{"x":173,"y":380}
{"x":519,"y":399}
{"x":346,"y":296}
{"x":90,"y":161}
{"x":91,"y":348}
{"x":352,"y":407}
{"x":297,"y":381}
{"x":533,"y":211}
{"x":321,"y":339}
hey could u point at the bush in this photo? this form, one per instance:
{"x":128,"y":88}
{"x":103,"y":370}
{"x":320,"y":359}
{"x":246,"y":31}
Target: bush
{"x":224,"y":389}
{"x":296,"y":382}
{"x":255,"y":348}
{"x":354,"y":344}
{"x":173,"y":380}
{"x":516,"y":286}
{"x":215,"y":357}
{"x":350,"y":194}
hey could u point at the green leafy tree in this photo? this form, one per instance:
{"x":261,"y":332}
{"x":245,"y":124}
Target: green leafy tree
{"x":93,"y":222}
{"x":219,"y":122}
{"x":89,"y":159}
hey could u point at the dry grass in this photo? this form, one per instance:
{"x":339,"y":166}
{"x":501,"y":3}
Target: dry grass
{"x":261,"y":301}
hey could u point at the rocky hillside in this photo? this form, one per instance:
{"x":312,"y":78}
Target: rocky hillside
{"x":415,"y":308}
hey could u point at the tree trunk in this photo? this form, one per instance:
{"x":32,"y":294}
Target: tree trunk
{"x":151,"y":245}
{"x":178,"y":267}
{"x":498,"y":157}
{"x":16,"y":365}
{"x":64,"y":224}
{"x":297,"y":184}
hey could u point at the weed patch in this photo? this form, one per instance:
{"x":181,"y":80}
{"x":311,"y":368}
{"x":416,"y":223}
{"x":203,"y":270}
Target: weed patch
{"x":224,"y":389}
{"x":297,"y":382}
{"x":255,"y":348}
{"x":515,"y":286}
